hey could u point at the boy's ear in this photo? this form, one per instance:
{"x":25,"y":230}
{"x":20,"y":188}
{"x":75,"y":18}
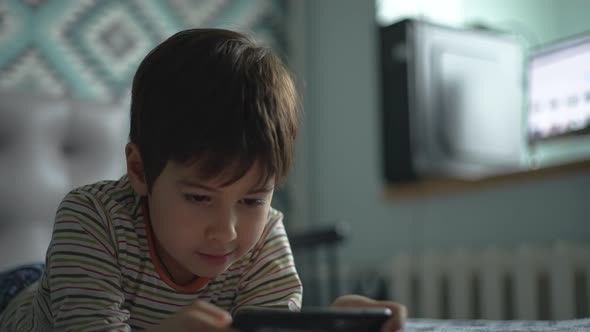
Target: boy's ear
{"x":135,"y":171}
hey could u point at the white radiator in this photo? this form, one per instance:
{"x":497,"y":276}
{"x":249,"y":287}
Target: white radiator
{"x":525,"y":283}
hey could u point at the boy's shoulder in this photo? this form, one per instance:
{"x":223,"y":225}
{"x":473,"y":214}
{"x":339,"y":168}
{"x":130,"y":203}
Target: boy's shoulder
{"x":274,"y":221}
{"x":273,"y":229}
{"x":274,"y":215}
{"x":108,"y":192}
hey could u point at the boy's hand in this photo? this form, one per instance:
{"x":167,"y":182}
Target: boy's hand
{"x":200,"y":316}
{"x":396,"y":323}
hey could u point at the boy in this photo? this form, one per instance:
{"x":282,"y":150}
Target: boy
{"x":188,"y":236}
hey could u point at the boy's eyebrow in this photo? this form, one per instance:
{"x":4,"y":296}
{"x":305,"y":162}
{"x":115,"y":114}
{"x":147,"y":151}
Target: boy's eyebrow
{"x":263,"y":189}
{"x":189,"y":183}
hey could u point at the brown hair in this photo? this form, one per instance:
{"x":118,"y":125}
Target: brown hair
{"x":214,"y":97}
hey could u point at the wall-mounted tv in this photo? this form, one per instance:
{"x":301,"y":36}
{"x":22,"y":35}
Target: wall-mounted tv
{"x":453,"y":101}
{"x":558,"y":101}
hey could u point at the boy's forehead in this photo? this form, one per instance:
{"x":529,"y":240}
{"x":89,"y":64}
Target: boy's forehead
{"x":255,"y":175}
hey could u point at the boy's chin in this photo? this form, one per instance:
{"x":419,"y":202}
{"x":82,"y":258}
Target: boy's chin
{"x":210,"y":268}
{"x":209,"y":271}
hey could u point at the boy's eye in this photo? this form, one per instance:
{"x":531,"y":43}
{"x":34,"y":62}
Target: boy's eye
{"x":252,"y":201}
{"x":197,"y":198}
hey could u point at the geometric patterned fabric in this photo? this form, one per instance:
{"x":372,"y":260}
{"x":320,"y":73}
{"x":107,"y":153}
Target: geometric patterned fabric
{"x":90,"y":49}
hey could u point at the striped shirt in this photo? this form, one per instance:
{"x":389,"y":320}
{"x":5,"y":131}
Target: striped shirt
{"x":102,"y":272}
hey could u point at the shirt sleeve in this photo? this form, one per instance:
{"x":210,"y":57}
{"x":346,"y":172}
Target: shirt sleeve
{"x":83,"y":274}
{"x":271,"y":279}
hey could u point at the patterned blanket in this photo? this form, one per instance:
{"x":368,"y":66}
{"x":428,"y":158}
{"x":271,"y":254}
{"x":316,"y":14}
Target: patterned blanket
{"x":14,"y":281}
{"x":432,"y":325}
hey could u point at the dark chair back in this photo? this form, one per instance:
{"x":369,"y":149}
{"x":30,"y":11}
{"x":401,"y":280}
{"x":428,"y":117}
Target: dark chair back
{"x":316,"y":251}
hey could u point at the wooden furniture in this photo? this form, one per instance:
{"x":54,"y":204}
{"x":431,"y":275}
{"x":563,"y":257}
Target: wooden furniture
{"x":431,"y":186}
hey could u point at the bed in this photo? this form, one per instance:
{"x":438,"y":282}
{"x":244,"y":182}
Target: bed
{"x":50,"y":145}
{"x":431,"y":325}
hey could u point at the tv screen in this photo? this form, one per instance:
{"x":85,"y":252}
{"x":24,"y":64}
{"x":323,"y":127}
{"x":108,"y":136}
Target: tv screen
{"x":559,"y":90}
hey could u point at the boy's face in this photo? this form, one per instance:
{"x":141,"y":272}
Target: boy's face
{"x":202,"y":227}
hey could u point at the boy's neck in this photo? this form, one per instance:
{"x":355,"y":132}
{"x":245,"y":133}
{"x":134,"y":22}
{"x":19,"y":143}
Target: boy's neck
{"x":181,"y":278}
{"x":173,"y":270}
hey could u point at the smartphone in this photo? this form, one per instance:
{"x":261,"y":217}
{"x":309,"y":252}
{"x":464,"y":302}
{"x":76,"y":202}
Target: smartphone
{"x":312,"y":319}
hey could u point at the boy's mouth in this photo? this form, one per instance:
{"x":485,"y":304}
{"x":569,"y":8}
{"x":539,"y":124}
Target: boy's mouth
{"x":215,"y":259}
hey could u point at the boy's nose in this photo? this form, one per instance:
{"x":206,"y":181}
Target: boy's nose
{"x":223,"y":229}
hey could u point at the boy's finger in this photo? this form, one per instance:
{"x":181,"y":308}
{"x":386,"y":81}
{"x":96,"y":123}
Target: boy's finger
{"x":353,"y":301}
{"x":398,"y":320}
{"x":215,"y":314}
{"x":396,"y":323}
{"x":201,"y":321}
{"x":362,"y":301}
{"x":399,"y":311}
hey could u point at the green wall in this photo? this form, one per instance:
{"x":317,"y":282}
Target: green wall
{"x":342,"y":143}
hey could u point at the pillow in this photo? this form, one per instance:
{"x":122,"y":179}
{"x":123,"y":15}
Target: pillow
{"x":49,"y":146}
